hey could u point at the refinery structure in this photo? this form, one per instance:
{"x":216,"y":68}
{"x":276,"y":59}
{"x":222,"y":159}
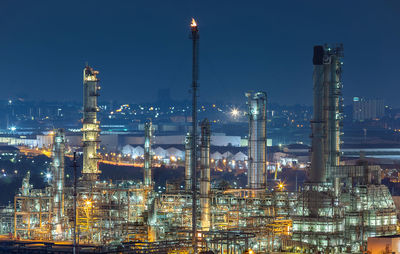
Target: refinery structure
{"x":336,"y":210}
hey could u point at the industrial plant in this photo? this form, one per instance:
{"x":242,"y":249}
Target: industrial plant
{"x":335,"y":211}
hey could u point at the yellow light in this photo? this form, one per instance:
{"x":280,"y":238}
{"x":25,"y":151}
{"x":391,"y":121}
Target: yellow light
{"x":281,"y":186}
{"x":251,"y":251}
{"x":88,"y":203}
{"x":193,"y":24}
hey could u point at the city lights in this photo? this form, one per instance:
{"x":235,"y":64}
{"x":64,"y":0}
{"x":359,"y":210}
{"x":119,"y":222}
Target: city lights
{"x":281,"y":186}
{"x":235,"y":112}
{"x":222,"y":173}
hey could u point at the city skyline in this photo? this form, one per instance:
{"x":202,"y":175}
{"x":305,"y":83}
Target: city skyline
{"x":139,"y":48}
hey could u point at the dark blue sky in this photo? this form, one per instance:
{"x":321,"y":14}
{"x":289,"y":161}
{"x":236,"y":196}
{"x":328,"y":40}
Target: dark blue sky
{"x":141,"y":46}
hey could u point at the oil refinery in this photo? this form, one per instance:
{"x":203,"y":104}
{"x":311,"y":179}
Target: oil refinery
{"x":337,"y":209}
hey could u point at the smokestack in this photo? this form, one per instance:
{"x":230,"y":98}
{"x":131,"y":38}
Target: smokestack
{"x":257,"y":141}
{"x":205,"y":175}
{"x":148,"y":129}
{"x":188,"y":162}
{"x":90,"y":130}
{"x":195,"y":38}
{"x":318,"y":172}
{"x":326,"y":124}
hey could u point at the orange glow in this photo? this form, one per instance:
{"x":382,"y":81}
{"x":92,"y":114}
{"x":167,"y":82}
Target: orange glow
{"x":193,"y":24}
{"x":281,"y":186}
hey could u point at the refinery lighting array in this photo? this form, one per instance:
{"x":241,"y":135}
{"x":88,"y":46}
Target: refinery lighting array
{"x":337,"y":209}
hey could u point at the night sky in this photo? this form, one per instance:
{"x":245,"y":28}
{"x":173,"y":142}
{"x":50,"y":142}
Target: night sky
{"x":142,"y":46}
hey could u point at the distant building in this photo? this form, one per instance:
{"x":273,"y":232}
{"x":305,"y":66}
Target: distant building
{"x":367,"y":109}
{"x":7,"y":151}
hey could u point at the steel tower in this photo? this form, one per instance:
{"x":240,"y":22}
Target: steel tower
{"x":57,"y":171}
{"x":257,"y":146}
{"x":333,"y":103}
{"x":319,"y":218}
{"x":195,"y":39}
{"x":91,"y":131}
{"x":148,"y":130}
{"x":317,"y":173}
{"x":205,"y":187}
{"x":188,"y":162}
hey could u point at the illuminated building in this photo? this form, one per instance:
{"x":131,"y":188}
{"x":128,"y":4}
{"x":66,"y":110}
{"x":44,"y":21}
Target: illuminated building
{"x":367,"y":109}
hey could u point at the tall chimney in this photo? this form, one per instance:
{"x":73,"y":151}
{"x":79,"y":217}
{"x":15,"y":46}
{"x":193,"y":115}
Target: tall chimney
{"x":318,"y":171}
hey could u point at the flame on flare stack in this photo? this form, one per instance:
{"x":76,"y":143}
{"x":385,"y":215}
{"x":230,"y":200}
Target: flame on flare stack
{"x":193,"y":24}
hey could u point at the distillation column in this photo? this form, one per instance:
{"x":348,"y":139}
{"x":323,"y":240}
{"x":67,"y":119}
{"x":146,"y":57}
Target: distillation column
{"x":319,"y":219}
{"x":257,"y":145}
{"x":148,"y":129}
{"x":188,"y":162}
{"x":91,"y":131}
{"x":317,"y":173}
{"x":205,"y":187}
{"x":332,"y":63}
{"x":57,"y":171}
